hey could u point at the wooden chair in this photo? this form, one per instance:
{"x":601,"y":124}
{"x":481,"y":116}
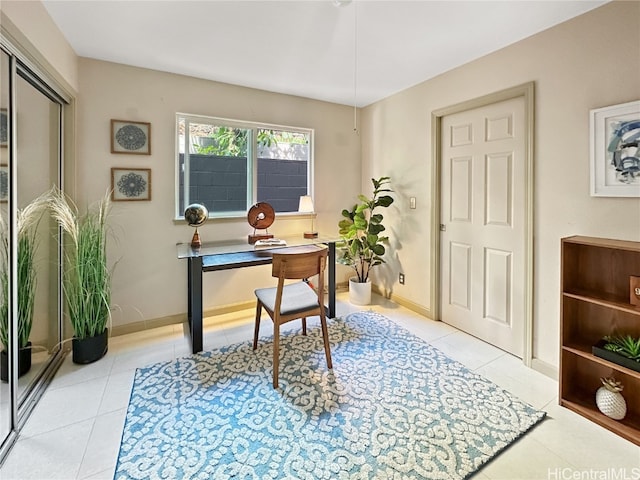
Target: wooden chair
{"x":294,"y":300}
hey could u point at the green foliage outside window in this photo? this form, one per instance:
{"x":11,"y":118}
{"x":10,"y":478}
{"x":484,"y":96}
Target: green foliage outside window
{"x":232,"y":142}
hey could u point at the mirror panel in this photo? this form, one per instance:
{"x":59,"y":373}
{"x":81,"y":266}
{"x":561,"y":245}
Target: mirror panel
{"x":38,"y":136}
{"x":5,"y":387}
{"x":31,"y":108}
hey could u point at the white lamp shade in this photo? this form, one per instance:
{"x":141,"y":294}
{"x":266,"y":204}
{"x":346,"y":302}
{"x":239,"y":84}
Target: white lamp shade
{"x":306,"y":204}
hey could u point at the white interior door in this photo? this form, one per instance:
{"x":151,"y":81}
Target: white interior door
{"x":483,"y":215}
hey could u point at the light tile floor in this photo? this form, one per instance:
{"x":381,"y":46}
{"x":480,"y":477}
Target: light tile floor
{"x":74,"y":432}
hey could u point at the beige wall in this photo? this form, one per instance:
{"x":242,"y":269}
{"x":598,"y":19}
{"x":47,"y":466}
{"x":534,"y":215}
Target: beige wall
{"x":34,"y":26}
{"x":588,"y":62}
{"x":149,"y":281}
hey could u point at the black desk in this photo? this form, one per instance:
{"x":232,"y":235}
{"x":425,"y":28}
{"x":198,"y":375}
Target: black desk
{"x":215,"y":256}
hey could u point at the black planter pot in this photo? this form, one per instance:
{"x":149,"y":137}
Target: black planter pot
{"x":90,"y":349}
{"x":24,"y":362}
{"x":599,"y":351}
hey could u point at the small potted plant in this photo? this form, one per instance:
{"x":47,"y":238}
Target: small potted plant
{"x":362,"y":246}
{"x":28,"y":219}
{"x":86,"y":275}
{"x":621,"y":349}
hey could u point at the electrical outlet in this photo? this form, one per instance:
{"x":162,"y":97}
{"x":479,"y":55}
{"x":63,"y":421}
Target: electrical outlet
{"x":412,"y":203}
{"x":401,"y":278}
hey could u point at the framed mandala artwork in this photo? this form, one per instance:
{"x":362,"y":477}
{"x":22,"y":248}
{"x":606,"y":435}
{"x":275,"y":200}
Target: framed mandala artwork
{"x":130,"y":184}
{"x":4,"y":183}
{"x":130,"y":137}
{"x":4,"y":131}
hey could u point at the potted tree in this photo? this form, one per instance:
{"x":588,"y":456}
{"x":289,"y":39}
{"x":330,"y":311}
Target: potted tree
{"x":28,"y":219}
{"x":362,"y":246}
{"x":86,"y":277}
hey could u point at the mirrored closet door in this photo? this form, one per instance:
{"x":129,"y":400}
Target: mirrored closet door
{"x":30,"y":266}
{"x":5,"y":224}
{"x":38,"y":147}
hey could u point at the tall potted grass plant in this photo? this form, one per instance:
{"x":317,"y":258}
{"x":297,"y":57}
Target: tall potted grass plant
{"x":87,"y":278}
{"x":27,"y":219}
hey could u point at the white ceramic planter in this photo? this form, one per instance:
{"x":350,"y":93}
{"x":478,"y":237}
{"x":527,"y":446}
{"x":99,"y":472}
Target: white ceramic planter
{"x":359,"y":293}
{"x":611,"y":403}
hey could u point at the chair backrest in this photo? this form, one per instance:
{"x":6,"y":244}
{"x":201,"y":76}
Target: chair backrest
{"x":301,"y":264}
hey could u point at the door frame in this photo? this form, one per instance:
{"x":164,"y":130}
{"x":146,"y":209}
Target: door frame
{"x":526,"y":91}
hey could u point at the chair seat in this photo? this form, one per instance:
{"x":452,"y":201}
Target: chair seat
{"x":296,"y":297}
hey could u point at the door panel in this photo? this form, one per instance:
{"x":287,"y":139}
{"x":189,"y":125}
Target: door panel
{"x":483,"y":242}
{"x":498,"y":192}
{"x":460,"y":286}
{"x":461,"y":180}
{"x":497,"y":285}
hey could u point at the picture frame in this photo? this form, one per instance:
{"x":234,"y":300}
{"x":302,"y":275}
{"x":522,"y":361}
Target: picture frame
{"x":614,"y":150}
{"x":4,"y":182}
{"x":4,"y":127}
{"x":129,"y":137}
{"x":130,"y":184}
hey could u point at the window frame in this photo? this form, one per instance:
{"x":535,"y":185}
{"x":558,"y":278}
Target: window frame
{"x":252,"y":160}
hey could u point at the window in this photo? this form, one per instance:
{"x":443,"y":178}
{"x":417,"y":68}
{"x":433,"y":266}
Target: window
{"x":228,"y":165}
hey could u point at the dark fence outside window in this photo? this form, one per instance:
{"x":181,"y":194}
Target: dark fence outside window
{"x":220,"y":183}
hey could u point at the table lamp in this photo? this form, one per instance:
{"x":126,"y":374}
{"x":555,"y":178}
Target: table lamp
{"x":306,"y":206}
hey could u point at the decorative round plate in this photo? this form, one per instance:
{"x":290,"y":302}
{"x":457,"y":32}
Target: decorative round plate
{"x":261,"y":215}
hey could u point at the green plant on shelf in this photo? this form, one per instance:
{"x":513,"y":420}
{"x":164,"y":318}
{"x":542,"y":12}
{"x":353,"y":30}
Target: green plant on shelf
{"x":624,"y":345}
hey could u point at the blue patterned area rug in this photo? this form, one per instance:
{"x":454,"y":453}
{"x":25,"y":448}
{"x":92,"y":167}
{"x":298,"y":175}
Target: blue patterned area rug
{"x":393,"y":408}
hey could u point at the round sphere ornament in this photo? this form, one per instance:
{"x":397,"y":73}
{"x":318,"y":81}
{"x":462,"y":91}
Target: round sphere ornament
{"x":609,"y":399}
{"x":196,"y":215}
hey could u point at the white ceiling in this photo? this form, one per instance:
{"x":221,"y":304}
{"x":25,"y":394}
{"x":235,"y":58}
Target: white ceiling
{"x":355,"y":53}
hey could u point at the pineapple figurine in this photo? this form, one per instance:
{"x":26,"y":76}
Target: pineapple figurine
{"x":609,"y":399}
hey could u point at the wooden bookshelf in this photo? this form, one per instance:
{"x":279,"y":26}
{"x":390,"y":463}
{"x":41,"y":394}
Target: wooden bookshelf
{"x":595,"y":302}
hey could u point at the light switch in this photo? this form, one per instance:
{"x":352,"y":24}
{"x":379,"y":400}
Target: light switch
{"x":412,"y":202}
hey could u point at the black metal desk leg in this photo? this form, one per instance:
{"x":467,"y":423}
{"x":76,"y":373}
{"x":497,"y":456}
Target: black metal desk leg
{"x":332,"y":279}
{"x":195,"y":302}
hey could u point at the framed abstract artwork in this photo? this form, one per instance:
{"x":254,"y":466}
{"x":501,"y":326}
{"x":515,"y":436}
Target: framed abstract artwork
{"x":615,"y":150}
{"x":130,"y":184}
{"x":130,"y":137}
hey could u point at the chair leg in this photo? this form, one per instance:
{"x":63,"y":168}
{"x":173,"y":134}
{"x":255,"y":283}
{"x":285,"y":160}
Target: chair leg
{"x":304,"y":325}
{"x":276,"y":352}
{"x":257,"y":327}
{"x":325,"y":336}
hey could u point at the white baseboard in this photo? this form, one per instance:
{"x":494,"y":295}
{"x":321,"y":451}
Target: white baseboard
{"x":545,"y":368}
{"x":178,"y":318}
{"x":414,"y":307}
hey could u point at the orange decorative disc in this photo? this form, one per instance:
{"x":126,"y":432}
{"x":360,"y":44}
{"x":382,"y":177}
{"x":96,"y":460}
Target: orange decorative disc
{"x":261,"y":216}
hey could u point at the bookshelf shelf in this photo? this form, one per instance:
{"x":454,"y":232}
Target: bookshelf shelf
{"x":594,"y":303}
